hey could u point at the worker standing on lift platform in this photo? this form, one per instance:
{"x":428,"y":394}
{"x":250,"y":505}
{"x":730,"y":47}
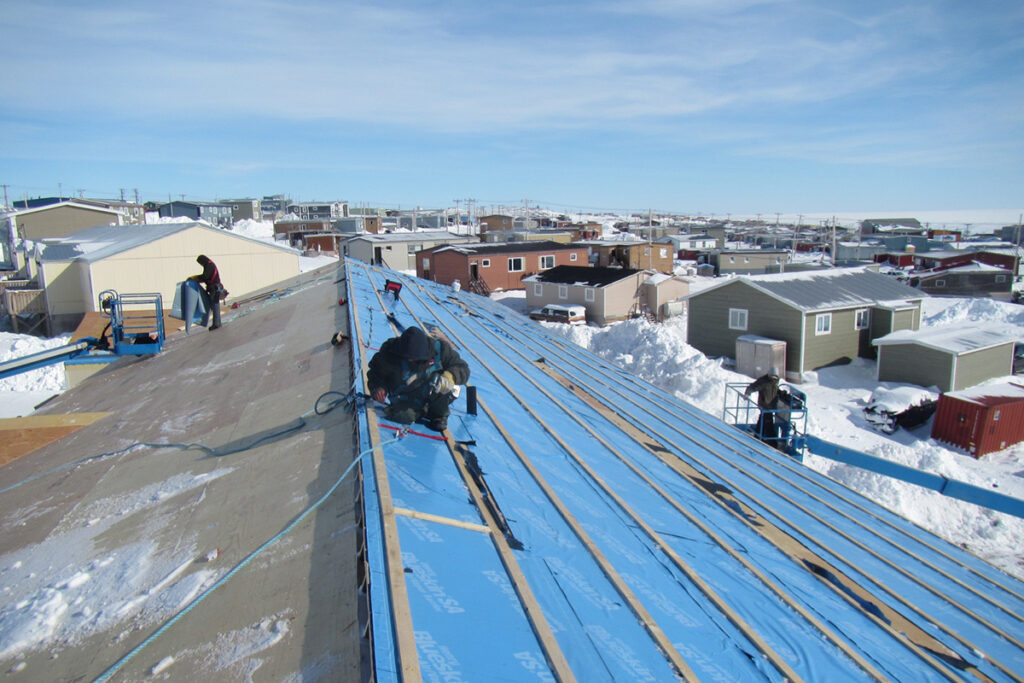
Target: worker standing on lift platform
{"x":767,"y":388}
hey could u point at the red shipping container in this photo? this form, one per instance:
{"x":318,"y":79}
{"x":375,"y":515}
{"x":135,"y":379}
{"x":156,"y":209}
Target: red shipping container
{"x":981,"y":420}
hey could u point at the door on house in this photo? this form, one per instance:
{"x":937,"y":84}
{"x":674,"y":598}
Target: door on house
{"x":474,"y":271}
{"x":377,"y":258}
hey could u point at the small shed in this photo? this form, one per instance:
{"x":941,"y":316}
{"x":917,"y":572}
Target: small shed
{"x":981,"y":419}
{"x":756,"y":355}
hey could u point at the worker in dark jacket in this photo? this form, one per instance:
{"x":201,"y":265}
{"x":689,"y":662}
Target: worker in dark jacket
{"x":417,"y":374}
{"x":212,"y":291}
{"x":767,"y":388}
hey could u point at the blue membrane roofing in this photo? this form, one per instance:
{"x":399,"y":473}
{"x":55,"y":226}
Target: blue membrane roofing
{"x":617,"y":533}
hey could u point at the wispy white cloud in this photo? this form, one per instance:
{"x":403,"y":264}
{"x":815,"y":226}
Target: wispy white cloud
{"x":768,"y":78}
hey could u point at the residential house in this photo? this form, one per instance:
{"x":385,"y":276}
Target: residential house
{"x":633,"y":254}
{"x":825,"y":317}
{"x":1007,"y":258}
{"x":950,"y":357}
{"x":497,"y":222}
{"x":131,"y":212}
{"x":319,"y":210}
{"x":608,"y":294}
{"x":215,"y":213}
{"x":422,"y":220}
{"x":59,"y":220}
{"x":274,"y":206}
{"x":245,"y":209}
{"x":545,"y":235}
{"x":295,"y":229}
{"x":357,"y":225}
{"x":971,"y":280}
{"x":852,"y":253}
{"x":73,"y":270}
{"x":397,"y":250}
{"x":689,"y":246}
{"x":892,"y":226}
{"x":484,"y":268}
{"x":746,"y":261}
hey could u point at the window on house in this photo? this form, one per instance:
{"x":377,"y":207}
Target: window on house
{"x":664,"y":252}
{"x":515,"y":264}
{"x":485,"y":263}
{"x":547,"y":262}
{"x":563,"y":291}
{"x":823,"y":323}
{"x":1000,"y":278}
{"x":737,"y":319}
{"x":995,"y":416}
{"x":863,"y":319}
{"x":538,"y":289}
{"x":746,"y":259}
{"x":426,"y":264}
{"x":588,"y":294}
{"x":732,"y":259}
{"x":940,"y":283}
{"x":572,"y":257}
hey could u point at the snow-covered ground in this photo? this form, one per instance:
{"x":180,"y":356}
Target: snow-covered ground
{"x":836,"y":398}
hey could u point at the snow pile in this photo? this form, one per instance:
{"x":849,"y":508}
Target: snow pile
{"x":48,"y":379}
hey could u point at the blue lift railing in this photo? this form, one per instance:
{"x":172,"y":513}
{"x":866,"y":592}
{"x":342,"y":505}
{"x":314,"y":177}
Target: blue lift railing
{"x":136,"y":328}
{"x":742,"y":412}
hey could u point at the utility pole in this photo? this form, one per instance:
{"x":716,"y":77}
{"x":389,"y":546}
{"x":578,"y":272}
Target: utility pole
{"x":6,"y":206}
{"x":834,"y":242}
{"x":1017,"y":251}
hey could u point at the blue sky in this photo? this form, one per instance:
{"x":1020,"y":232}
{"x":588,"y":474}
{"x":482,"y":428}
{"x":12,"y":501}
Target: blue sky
{"x":696,"y":106}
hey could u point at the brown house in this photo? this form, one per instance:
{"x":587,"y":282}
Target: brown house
{"x":483,"y":268}
{"x":637,"y":255}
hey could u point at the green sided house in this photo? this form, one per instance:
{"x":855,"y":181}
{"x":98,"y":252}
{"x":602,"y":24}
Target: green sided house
{"x":825,"y":317}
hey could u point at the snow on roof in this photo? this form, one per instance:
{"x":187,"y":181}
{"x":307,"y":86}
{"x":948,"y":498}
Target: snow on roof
{"x":657,"y":279}
{"x":93,"y":244}
{"x":974,"y":266}
{"x":818,"y":290}
{"x":100,"y":242}
{"x":409,"y":235}
{"x":1000,"y":390}
{"x":957,"y":339}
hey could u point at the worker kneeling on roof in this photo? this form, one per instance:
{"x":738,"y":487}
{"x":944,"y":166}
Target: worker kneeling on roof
{"x":417,"y":373}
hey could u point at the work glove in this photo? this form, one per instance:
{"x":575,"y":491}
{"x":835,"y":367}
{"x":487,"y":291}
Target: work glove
{"x":380,"y":395}
{"x":442,"y":382}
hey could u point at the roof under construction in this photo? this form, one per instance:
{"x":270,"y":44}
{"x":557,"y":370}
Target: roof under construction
{"x":574,"y":523}
{"x":609,"y":531}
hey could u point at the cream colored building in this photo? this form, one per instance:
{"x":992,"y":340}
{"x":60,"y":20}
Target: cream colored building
{"x":151,"y":258}
{"x":608,"y":294}
{"x":61,"y":220}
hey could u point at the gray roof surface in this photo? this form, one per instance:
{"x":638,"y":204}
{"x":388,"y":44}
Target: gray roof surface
{"x":831,"y":289}
{"x":100,"y":242}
